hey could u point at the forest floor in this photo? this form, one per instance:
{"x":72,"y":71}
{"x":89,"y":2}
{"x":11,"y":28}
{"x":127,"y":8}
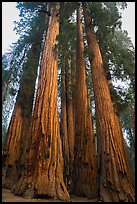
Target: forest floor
{"x":8,"y":196}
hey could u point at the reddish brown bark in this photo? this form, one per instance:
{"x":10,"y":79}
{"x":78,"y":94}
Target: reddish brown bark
{"x":14,"y":152}
{"x":70,"y":122}
{"x":85,"y":166}
{"x":67,"y":123}
{"x":64,"y":129}
{"x":115,"y":182}
{"x":73,"y":94}
{"x":44,"y":174}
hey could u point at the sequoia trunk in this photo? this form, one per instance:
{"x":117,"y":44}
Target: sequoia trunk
{"x":85,"y":166}
{"x":115,"y":182}
{"x":14,"y":152}
{"x":64,"y":131}
{"x":67,"y":123}
{"x":70,"y":123}
{"x":44,"y":175}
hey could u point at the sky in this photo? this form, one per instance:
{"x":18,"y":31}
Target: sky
{"x":10,"y":13}
{"x":128,"y":20}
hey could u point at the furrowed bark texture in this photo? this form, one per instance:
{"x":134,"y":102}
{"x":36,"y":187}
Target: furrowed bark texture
{"x":14,"y":152}
{"x":73,"y":81}
{"x":115,"y":182}
{"x":70,"y":123}
{"x":85,"y":166}
{"x":64,"y":128}
{"x":44,"y":175}
{"x":67,"y":123}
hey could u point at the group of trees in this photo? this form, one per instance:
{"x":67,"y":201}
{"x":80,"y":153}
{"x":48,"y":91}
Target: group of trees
{"x":73,"y":50}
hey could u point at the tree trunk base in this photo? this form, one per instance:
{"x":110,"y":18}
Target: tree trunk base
{"x":26,"y":188}
{"x":110,"y":195}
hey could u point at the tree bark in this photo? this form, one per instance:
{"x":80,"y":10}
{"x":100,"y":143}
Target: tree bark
{"x":64,"y":128}
{"x":73,"y":80}
{"x":67,"y":122}
{"x":44,"y":174}
{"x":14,"y":151}
{"x":85,"y":166}
{"x":115,"y":182}
{"x":70,"y":123}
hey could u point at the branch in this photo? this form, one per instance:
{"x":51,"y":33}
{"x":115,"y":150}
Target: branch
{"x":45,"y":11}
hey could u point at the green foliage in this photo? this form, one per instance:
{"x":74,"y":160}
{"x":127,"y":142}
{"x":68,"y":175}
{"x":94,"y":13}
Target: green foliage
{"x":6,"y":115}
{"x":88,"y":52}
{"x":122,"y":55}
{"x":67,"y":35}
{"x":28,"y":79}
{"x":120,"y":59}
{"x":112,"y":40}
{"x":106,"y":17}
{"x":116,"y":47}
{"x":66,"y":38}
{"x":118,"y":101}
{"x":131,"y":157}
{"x":31,"y":28}
{"x":5,"y":71}
{"x":28,"y":14}
{"x":12,"y":91}
{"x":11,"y":69}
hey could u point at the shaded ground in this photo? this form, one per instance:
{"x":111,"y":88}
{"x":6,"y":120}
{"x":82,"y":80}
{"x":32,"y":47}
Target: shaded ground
{"x":7,"y":196}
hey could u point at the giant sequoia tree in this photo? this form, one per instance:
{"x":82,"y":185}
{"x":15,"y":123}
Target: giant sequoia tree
{"x":64,"y":129}
{"x":14,"y":152}
{"x":26,"y":52}
{"x":67,"y":122}
{"x":44,"y":173}
{"x":67,"y":42}
{"x":115,"y":181}
{"x":84,"y":170}
{"x":39,"y":160}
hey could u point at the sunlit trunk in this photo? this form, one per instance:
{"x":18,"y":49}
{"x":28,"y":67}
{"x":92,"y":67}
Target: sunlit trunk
{"x":114,"y":177}
{"x":85,"y":166}
{"x":17,"y":139}
{"x":44,"y":175}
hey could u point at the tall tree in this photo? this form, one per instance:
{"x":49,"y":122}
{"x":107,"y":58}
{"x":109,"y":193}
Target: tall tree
{"x":70,"y":120}
{"x":85,"y":166}
{"x":14,"y":152}
{"x":12,"y":67}
{"x":44,"y":172}
{"x":64,"y":128}
{"x":67,"y":43}
{"x":26,"y":60}
{"x":115,"y":181}
{"x":67,"y":123}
